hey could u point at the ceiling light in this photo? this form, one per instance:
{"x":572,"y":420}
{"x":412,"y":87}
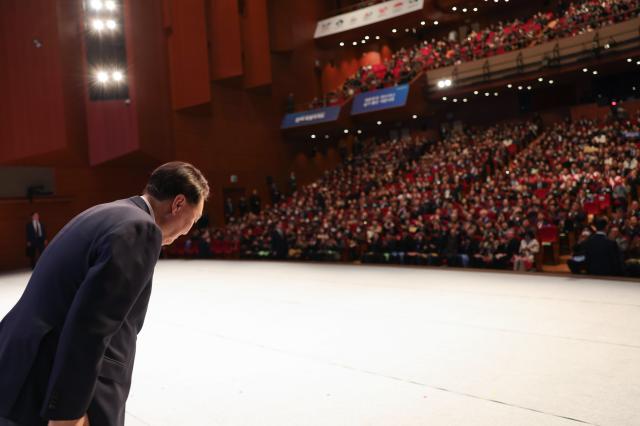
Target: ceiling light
{"x":341,"y":43}
{"x":366,"y":37}
{"x":102,"y":76}
{"x":519,"y":87}
{"x":475,"y":9}
{"x":394,"y":30}
{"x":96,"y":4}
{"x":509,"y":85}
{"x":435,"y":22}
{"x":464,"y":100}
{"x":313,"y":136}
{"x":111,"y":24}
{"x":363,"y":41}
{"x":550,"y":81}
{"x":455,"y":99}
{"x":97,"y":24}
{"x":540,"y":79}
{"x":464,"y":10}
{"x":423,"y":23}
{"x":359,"y":132}
{"x":444,"y":98}
{"x":377,"y":37}
{"x":346,"y":131}
{"x":110,"y":5}
{"x":528,"y":87}
{"x":117,"y":76}
{"x":379,"y":122}
{"x":585,"y":70}
{"x":595,"y":72}
{"x":475,"y":92}
{"x":414,"y":116}
{"x":454,"y":8}
{"x":495,"y":93}
{"x":629,"y":60}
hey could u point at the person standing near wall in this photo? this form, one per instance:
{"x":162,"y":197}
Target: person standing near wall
{"x":36,"y":238}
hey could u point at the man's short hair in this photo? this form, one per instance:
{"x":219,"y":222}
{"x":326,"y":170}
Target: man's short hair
{"x":600,"y":223}
{"x":177,"y":177}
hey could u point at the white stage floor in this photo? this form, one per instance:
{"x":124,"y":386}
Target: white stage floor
{"x":258,"y":343}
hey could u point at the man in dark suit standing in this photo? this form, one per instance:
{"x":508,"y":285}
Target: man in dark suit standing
{"x":67,"y":347}
{"x":602,"y":255}
{"x":36,"y":238}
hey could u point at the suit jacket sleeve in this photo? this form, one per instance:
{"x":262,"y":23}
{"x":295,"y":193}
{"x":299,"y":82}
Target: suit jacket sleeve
{"x":124,"y":266}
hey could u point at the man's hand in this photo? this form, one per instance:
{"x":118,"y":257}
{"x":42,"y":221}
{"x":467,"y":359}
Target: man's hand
{"x":80,"y":422}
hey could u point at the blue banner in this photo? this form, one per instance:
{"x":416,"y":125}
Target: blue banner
{"x":307,"y":118}
{"x":391,"y":97}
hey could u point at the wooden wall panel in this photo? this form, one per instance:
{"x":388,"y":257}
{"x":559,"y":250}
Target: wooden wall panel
{"x":225,"y":39}
{"x":149,"y":67}
{"x":32,"y":118}
{"x":255,"y":44}
{"x":188,"y":55}
{"x":281,"y":20}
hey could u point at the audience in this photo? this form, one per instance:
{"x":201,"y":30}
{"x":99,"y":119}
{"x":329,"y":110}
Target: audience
{"x":480,"y":197}
{"x":499,"y":38}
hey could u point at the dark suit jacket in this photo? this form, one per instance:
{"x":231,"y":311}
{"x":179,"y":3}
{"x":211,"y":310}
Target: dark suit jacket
{"x":602,"y":256}
{"x":68,"y":345}
{"x":33,"y":238}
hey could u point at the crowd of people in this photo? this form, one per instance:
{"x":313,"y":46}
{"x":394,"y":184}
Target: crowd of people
{"x":405,"y":64}
{"x":479,"y":197}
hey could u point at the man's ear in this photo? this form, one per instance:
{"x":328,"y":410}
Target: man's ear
{"x":178,"y":204}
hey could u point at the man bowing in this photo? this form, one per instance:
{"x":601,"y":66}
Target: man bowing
{"x":67,"y":347}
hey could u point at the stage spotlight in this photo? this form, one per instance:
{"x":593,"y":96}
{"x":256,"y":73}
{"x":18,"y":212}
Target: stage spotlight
{"x":102,"y":77}
{"x":117,"y":76}
{"x":97,"y":25}
{"x":96,"y":4}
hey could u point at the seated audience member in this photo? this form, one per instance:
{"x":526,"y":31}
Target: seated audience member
{"x":529,"y":248}
{"x":577,"y":261}
{"x":602,"y":255}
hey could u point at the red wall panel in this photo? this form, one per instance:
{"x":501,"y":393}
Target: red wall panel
{"x":255,"y":43}
{"x":188,"y":56}
{"x":281,"y":18}
{"x":225,"y":39}
{"x":32,"y":120}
